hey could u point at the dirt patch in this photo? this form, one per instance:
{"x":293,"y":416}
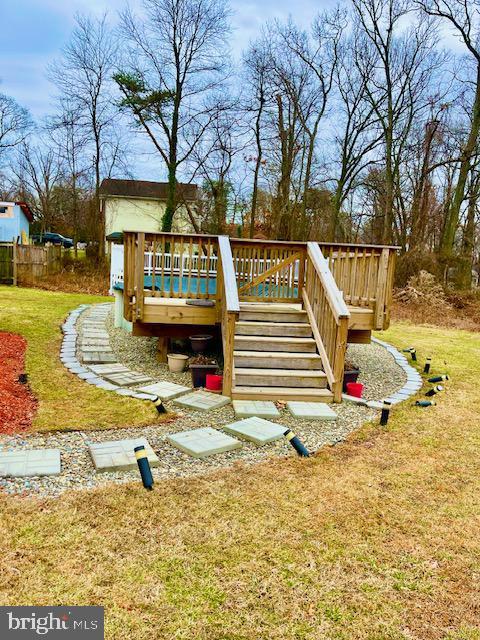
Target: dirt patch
{"x":17,"y":403}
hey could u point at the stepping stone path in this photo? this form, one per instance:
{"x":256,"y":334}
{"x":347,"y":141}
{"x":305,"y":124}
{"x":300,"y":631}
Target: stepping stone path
{"x":102,"y":369}
{"x":202,"y":401}
{"x":200,"y":443}
{"x":256,"y":430}
{"x":119,"y":455}
{"x":127,"y":378}
{"x":34,"y":462}
{"x":165,"y":390}
{"x":92,"y":357}
{"x":251,"y":408}
{"x":311,"y":410}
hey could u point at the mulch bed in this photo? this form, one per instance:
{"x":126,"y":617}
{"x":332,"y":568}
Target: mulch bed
{"x":17,"y":403}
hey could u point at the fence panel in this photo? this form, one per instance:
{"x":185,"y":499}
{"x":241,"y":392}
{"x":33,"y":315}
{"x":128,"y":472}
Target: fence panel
{"x":6,"y":263}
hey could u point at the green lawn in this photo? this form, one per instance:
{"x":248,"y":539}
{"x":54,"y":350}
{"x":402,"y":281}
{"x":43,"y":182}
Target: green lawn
{"x":65,"y":402}
{"x":374,"y":539}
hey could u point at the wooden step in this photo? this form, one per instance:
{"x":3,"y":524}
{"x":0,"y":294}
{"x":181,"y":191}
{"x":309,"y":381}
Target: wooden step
{"x":266,"y":315}
{"x":281,"y":393}
{"x":252,"y":328}
{"x":280,"y":378}
{"x":273,"y":343}
{"x":277,"y":360}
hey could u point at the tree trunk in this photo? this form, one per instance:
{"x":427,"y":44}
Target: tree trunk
{"x":453,"y":211}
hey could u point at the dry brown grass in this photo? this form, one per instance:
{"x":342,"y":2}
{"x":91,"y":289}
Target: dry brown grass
{"x":373,"y":539}
{"x":95,"y":283}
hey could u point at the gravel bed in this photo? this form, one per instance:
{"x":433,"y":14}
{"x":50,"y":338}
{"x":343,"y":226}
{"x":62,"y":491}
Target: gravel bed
{"x":78,"y":471}
{"x":140,"y":354}
{"x":379,"y":373}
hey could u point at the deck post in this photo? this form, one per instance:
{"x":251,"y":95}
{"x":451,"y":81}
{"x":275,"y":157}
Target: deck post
{"x":139,"y":269}
{"x":162,"y":349}
{"x":380,"y":295}
{"x":339,"y":362}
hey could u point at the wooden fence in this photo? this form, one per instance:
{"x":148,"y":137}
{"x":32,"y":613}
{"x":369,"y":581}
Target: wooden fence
{"x":24,"y":263}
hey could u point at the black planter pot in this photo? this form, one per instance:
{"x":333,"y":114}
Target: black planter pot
{"x":350,"y":375}
{"x":200,"y":343}
{"x":199,"y":373}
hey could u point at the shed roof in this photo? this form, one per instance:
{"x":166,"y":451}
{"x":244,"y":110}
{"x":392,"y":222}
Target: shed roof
{"x":26,"y":210}
{"x":144,"y":189}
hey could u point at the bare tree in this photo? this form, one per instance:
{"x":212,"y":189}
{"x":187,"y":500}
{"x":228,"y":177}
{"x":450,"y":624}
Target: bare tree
{"x":71,"y":143}
{"x":256,"y":71}
{"x":176,"y":58}
{"x":399,"y":64}
{"x":357,"y":134}
{"x":464,"y":17}
{"x":214,"y":158}
{"x":317,"y":60}
{"x":84,"y":77}
{"x":38,"y":170}
{"x":15,"y":124}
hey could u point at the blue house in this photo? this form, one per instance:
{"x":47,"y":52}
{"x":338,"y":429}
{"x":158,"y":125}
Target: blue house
{"x":15,"y":219}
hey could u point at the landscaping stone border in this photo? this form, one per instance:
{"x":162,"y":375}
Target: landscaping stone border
{"x":414,"y":381}
{"x":68,"y":354}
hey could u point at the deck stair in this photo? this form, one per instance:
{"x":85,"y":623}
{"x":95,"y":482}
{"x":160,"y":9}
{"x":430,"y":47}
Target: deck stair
{"x":275,"y":355}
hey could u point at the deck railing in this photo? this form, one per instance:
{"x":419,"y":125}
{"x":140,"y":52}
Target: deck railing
{"x":269,"y":271}
{"x":364,"y":274}
{"x":328,"y":315}
{"x":325,"y":277}
{"x":168,"y":265}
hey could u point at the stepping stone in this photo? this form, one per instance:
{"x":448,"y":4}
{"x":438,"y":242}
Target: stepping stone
{"x":94,"y":357}
{"x":97,"y":349}
{"x":119,"y":455}
{"x":165,"y":390}
{"x":95,"y":342}
{"x":200,"y":443}
{"x":256,"y":430}
{"x":126,"y":378}
{"x":89,"y":333}
{"x":259,"y":408}
{"x":33,"y":462}
{"x":354,"y":399}
{"x":202,"y":401}
{"x":311,"y":410}
{"x":375,"y":404}
{"x":115,"y":367}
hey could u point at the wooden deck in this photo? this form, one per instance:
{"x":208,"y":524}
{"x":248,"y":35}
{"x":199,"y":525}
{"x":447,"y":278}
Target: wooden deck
{"x":285,"y":311}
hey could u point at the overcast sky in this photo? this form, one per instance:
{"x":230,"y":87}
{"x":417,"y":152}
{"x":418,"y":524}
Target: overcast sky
{"x":34,"y":31}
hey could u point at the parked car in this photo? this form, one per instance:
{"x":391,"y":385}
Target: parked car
{"x":52,"y":238}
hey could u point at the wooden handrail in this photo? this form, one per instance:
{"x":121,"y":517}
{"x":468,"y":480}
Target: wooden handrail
{"x":228,"y":306}
{"x":328,"y":316}
{"x":229,"y":278}
{"x":332,"y":291}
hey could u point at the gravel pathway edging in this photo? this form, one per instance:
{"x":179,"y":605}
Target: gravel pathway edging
{"x":413,"y":382}
{"x":383,"y":370}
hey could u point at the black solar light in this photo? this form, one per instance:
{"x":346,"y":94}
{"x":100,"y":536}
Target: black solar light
{"x":426,"y":368}
{"x":385,"y":412}
{"x":159,"y":406}
{"x":23,"y":378}
{"x":296,"y":443}
{"x":412,"y":351}
{"x":425,"y":403}
{"x":441,"y":378}
{"x":434,"y":390}
{"x":144,"y":467}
